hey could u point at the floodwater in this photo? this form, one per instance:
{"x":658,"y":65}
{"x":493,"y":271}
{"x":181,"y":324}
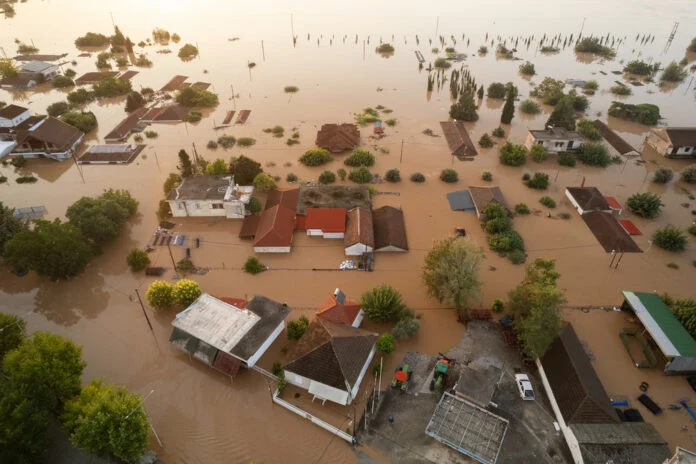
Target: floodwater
{"x":201,"y":416}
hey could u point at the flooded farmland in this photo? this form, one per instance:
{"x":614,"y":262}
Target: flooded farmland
{"x":200,"y":415}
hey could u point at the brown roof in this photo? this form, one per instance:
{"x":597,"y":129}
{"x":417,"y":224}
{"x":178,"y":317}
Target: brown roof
{"x":574,"y":382}
{"x":682,"y":136}
{"x":390,"y":229}
{"x":112,"y":154}
{"x":333,"y":354}
{"x":359,"y":228}
{"x":11,"y":111}
{"x":174,"y":83}
{"x":609,"y":233}
{"x":338,"y":137}
{"x":124,"y":128}
{"x":458,"y":139}
{"x":95,"y":76}
{"x":17,"y":81}
{"x":613,"y":138}
{"x":589,"y":198}
{"x":285,"y":197}
{"x":165,"y":114}
{"x":54,"y":132}
{"x":276,"y":227}
{"x":482,"y":196}
{"x":249,"y":226}
{"x":128,"y":75}
{"x":339,"y":310}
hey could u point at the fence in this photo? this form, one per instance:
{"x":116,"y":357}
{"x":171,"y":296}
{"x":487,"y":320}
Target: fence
{"x":313,"y":419}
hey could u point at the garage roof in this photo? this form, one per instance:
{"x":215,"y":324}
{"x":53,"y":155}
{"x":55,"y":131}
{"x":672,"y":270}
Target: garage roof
{"x":664,"y":328}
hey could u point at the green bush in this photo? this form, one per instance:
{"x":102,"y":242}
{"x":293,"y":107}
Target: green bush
{"x":185,"y":266}
{"x":386,"y":343}
{"x":192,"y":97}
{"x":497,"y":306}
{"x":80,"y":97}
{"x":111,"y":87}
{"x":188,"y":51}
{"x":663,"y":175}
{"x":645,"y":204}
{"x":291,"y":89}
{"x":527,"y":69}
{"x":496,"y":90}
{"x":566,"y":159}
{"x":385,"y":48}
{"x":92,"y":39}
{"x":498,"y":225}
{"x":506,"y":241}
{"x":639,"y":67}
{"x":590,"y":85}
{"x":186,"y":292}
{"x":620,"y":90}
{"x":670,"y":238}
{"x":246,"y":141}
{"x":517,"y":256}
{"x":86,"y":122}
{"x":548,"y":202}
{"x":449,"y":176}
{"x":253,"y":266}
{"x":593,"y":45}
{"x":362,"y":175}
{"x":530,"y":107}
{"x":486,"y":141}
{"x":594,"y":154}
{"x":522,"y":209}
{"x":393,"y":175}
{"x":688,"y":175}
{"x":150,"y":134}
{"x":673,"y":73}
{"x":498,"y":132}
{"x":254,"y":205}
{"x":264,"y":182}
{"x":327,"y":177}
{"x":277,"y":368}
{"x":60,"y":82}
{"x":315,"y":157}
{"x":644,"y":113}
{"x":417,"y":177}
{"x":360,"y":157}
{"x":26,"y":180}
{"x":56,"y":109}
{"x":382,"y":304}
{"x":137,"y":260}
{"x":227,"y":141}
{"x":538,"y":153}
{"x":390,"y":122}
{"x":291,"y":177}
{"x":212,"y":144}
{"x":540,"y":181}
{"x":692,"y":229}
{"x":487,"y":176}
{"x":297,"y":328}
{"x":341,"y":173}
{"x":407,"y":327}
{"x":160,"y":294}
{"x":442,"y":63}
{"x":588,"y":130}
{"x":494,"y":210}
{"x":513,"y":155}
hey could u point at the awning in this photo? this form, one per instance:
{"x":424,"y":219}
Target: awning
{"x":672,"y":338}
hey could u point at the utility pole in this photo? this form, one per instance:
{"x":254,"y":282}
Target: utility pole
{"x":263,"y":51}
{"x":157,"y":161}
{"x":172,"y":256}
{"x":112,"y":20}
{"x":617,"y":262}
{"x":145,"y":312}
{"x":401,"y":156}
{"x":582,"y":27}
{"x":379,"y":392}
{"x":363,"y":50}
{"x":292,"y":26}
{"x":234,"y":102}
{"x":437,"y":26}
{"x":78,"y":168}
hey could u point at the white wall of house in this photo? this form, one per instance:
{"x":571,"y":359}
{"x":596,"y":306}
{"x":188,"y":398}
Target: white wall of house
{"x":262,"y":349}
{"x":357,"y":249}
{"x":334,"y":235}
{"x":321,"y":233}
{"x":320,"y":390}
{"x":272,"y":249}
{"x":684,"y":151}
{"x":390,"y":248}
{"x":574,"y":203}
{"x":207,"y":208}
{"x":552,"y":145}
{"x":55,"y":155}
{"x":356,"y":387}
{"x":234,"y":210}
{"x":4,"y":122}
{"x":358,"y":319}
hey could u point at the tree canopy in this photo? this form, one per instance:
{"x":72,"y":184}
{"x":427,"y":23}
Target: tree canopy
{"x":84,"y":121}
{"x":185,"y":165}
{"x":563,"y":114}
{"x":465,"y":108}
{"x":111,"y":87}
{"x":383,"y":303}
{"x":12,"y":334}
{"x":451,"y":271}
{"x":100,"y":219}
{"x":549,"y":91}
{"x":196,"y":97}
{"x":9,"y":226}
{"x":217,"y":168}
{"x":134,"y":101}
{"x":245,"y":170}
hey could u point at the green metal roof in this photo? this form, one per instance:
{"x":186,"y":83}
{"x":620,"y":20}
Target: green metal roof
{"x":672,"y":338}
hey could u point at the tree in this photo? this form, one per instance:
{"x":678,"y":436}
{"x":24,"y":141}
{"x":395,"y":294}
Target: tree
{"x":538,"y":153}
{"x":382,"y":304}
{"x":535,"y":303}
{"x":185,"y":165}
{"x":315,"y":157}
{"x":23,"y":426}
{"x":527,"y":69}
{"x":563,"y":114}
{"x":486,"y":141}
{"x":160,"y":294}
{"x":327,"y":177}
{"x":496,"y":90}
{"x":663,"y":175}
{"x":186,"y":292}
{"x":645,"y":204}
{"x":465,"y":108}
{"x":263,"y":182}
{"x":451,"y":272}
{"x":172,"y":182}
{"x":594,"y":154}
{"x":99,"y":220}
{"x":508,"y":109}
{"x":550,"y":91}
{"x":392,"y":175}
{"x":512,"y":154}
{"x":188,"y":51}
{"x":92,"y":39}
{"x":673,"y":73}
{"x":449,"y":176}
{"x":84,"y":121}
{"x":137,"y":260}
{"x":56,"y":109}
{"x":7,"y":69}
{"x":245,"y":170}
{"x":54,"y":249}
{"x":539,"y":181}
{"x":360,"y":157}
{"x":196,"y":97}
{"x":688,"y":175}
{"x":671,"y":238}
{"x":217,"y":168}
{"x":588,"y":130}
{"x":297,"y":328}
{"x":385,"y":343}
{"x":480,"y":92}
{"x":685,"y":311}
{"x":254,"y":205}
{"x":111,"y":87}
{"x":644,"y":113}
{"x":108,"y":420}
{"x":253,"y":266}
{"x":407,"y":327}
{"x":529,"y":107}
{"x":80,"y":97}
{"x":638,"y":67}
{"x":9,"y":226}
{"x":134,"y":101}
{"x":12,"y":334}
{"x":362,"y":175}
{"x":60,"y":82}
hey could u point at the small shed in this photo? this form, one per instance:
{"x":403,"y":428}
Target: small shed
{"x":461,"y":201}
{"x":390,"y":229}
{"x":586,"y":199}
{"x":360,"y":236}
{"x":458,"y":139}
{"x":483,"y":196}
{"x":670,"y":336}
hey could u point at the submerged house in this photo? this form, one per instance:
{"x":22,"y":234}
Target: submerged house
{"x":276,"y":225}
{"x":587,"y":199}
{"x":324,"y":222}
{"x":228,"y":334}
{"x":555,"y":139}
{"x":360,"y":235}
{"x":673,"y":142}
{"x":390,"y":229}
{"x":49,"y":137}
{"x":340,"y":310}
{"x":483,"y":196}
{"x":330,"y":360}
{"x":13,"y":115}
{"x":209,"y":196}
{"x":38,"y":70}
{"x":338,"y":138}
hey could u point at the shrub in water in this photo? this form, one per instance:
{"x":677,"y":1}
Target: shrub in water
{"x":663,"y":175}
{"x":670,"y":238}
{"x":417,"y":177}
{"x":486,"y":141}
{"x":566,"y":159}
{"x":487,"y":176}
{"x":521,"y":208}
{"x":540,"y":181}
{"x":362,"y":175}
{"x":327,"y":177}
{"x":160,"y":294}
{"x":393,"y":175}
{"x":253,"y":266}
{"x":297,"y":328}
{"x":360,"y":157}
{"x":449,"y":175}
{"x":548,"y":202}
{"x":137,"y":260}
{"x":385,"y":343}
{"x":645,"y":204}
{"x":513,"y":155}
{"x":538,"y":153}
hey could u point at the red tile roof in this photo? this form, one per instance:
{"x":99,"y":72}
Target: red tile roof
{"x":334,"y":311}
{"x":326,"y":219}
{"x":275,"y":228}
{"x":630,"y":227}
{"x":285,"y":197}
{"x":359,"y":228}
{"x":301,"y":223}
{"x":613,"y":203}
{"x":236,"y":302}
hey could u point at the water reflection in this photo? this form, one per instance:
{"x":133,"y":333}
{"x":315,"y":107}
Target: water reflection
{"x":59,"y":302}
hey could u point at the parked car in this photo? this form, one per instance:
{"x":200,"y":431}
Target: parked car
{"x":524,"y":386}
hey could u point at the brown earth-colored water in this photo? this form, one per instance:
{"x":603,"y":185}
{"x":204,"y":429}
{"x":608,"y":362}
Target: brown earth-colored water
{"x":201,"y":416}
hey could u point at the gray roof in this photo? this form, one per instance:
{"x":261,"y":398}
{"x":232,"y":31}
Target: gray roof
{"x":201,"y":188}
{"x":589,"y":198}
{"x":630,"y":433}
{"x":619,"y":454}
{"x":35,"y":66}
{"x":556,"y":133}
{"x":461,"y":201}
{"x":271,"y":314}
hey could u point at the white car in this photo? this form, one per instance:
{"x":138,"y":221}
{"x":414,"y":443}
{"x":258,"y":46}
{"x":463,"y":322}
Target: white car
{"x":524,"y":386}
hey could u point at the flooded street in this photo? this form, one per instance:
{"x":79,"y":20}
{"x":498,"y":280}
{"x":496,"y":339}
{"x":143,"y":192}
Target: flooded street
{"x":199,"y":414}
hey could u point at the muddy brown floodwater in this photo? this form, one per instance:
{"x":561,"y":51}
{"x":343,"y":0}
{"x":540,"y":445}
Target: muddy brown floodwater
{"x":200,"y":415}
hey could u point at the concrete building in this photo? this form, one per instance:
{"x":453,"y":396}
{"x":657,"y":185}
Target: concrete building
{"x":209,"y":196}
{"x":587,"y":199}
{"x":49,"y":137}
{"x":325,"y":222}
{"x":555,"y":140}
{"x":673,"y":142}
{"x":13,"y":116}
{"x":36,"y":68}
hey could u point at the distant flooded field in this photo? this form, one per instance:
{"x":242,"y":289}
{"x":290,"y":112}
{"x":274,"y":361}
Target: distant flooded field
{"x":200,"y":415}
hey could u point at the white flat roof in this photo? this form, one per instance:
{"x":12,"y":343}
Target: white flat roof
{"x":215,"y":322}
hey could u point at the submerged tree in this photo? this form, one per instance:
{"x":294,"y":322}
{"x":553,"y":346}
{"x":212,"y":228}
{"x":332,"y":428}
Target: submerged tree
{"x":509,"y":108}
{"x":465,"y":108}
{"x":563,"y":114}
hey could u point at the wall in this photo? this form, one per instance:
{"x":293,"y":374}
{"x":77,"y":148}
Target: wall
{"x":657,"y":143}
{"x":271,"y":338}
{"x":315,"y":420}
{"x":357,"y":249}
{"x":234,"y":210}
{"x":390,"y":248}
{"x":315,"y":232}
{"x":297,"y":380}
{"x":334,"y":235}
{"x":358,"y":320}
{"x":573,"y":202}
{"x":272,"y":249}
{"x":15,"y":121}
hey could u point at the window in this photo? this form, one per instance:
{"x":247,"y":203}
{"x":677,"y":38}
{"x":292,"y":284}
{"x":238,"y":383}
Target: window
{"x":181,"y":205}
{"x":560,"y":144}
{"x":198,"y":206}
{"x":217,"y":206}
{"x":540,"y":142}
